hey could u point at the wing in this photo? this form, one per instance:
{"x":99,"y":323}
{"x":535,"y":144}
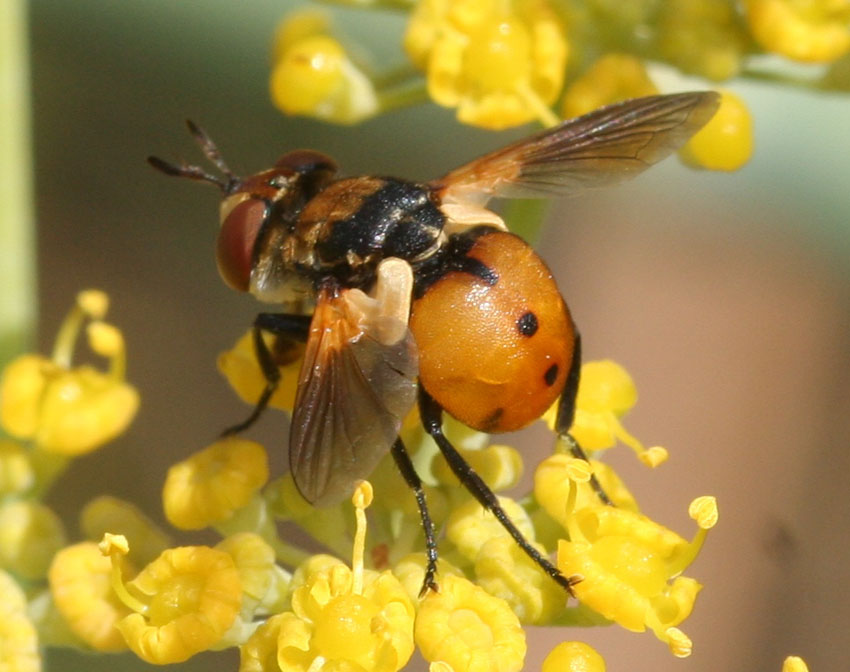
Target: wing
{"x":607,"y":145}
{"x":357,"y":383}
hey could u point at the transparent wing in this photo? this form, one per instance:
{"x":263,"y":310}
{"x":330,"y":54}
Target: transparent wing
{"x":607,"y":145}
{"x":355,"y":388}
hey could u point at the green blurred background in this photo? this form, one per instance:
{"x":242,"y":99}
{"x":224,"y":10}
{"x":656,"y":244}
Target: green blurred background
{"x":726,"y":296}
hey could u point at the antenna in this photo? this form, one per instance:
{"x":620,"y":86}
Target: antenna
{"x":211,"y":151}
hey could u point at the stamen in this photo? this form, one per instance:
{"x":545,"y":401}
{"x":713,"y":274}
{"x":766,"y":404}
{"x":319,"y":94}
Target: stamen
{"x":107,"y":341}
{"x":115,"y":546}
{"x":361,"y":499}
{"x":680,"y":644}
{"x":89,"y":303}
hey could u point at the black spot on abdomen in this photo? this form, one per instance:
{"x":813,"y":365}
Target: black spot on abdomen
{"x":527,"y":324}
{"x":551,"y":375}
{"x":492,"y":420}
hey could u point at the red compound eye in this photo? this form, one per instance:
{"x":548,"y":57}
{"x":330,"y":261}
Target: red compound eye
{"x":236,"y":239}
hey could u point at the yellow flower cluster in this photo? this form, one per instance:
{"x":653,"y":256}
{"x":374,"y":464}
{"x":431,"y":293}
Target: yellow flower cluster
{"x":502,"y":63}
{"x":339,"y":617}
{"x":55,"y":411}
{"x":136,"y":590}
{"x":64,"y":410}
{"x":499,"y":62}
{"x":334,"y":616}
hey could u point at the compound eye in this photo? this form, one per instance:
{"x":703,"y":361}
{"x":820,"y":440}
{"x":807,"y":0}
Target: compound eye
{"x":236,"y":238}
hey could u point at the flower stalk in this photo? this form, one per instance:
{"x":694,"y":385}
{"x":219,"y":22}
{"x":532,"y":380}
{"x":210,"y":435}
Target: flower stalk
{"x":17,"y":241}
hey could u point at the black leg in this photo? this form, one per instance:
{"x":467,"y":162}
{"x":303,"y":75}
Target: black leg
{"x":405,"y":466}
{"x":432,"y":414}
{"x":566,"y":412}
{"x":567,"y":402}
{"x":293,"y":327}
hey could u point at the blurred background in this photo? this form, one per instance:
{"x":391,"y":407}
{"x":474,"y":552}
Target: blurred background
{"x":727,"y":297}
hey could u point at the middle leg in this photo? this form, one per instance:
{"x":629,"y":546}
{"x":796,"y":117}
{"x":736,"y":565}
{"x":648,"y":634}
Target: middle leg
{"x":408,"y":472}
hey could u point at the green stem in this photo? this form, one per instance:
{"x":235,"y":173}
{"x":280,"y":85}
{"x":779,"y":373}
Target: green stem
{"x":780,"y":78}
{"x":411,"y":92}
{"x":48,"y":468}
{"x":17,"y":255}
{"x":402,"y":75}
{"x":66,"y":337}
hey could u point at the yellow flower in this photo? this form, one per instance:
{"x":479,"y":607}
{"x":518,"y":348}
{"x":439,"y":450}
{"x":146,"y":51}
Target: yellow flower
{"x":313,"y":566}
{"x":84,"y":409}
{"x":500,"y":466}
{"x":18,"y":636}
{"x":259,"y":653}
{"x":67,"y":410}
{"x":469,"y":629}
{"x":573,"y":657}
{"x":346,"y":619}
{"x":504,"y":570}
{"x":30,"y":534}
{"x":612,"y":78}
{"x":16,"y":471}
{"x":631,"y":568}
{"x":606,"y":392}
{"x":298,"y":25}
{"x":183,"y":602}
{"x":702,"y":37}
{"x":110,"y":514}
{"x":263,"y":582}
{"x":500,"y":64}
{"x":794,"y":664}
{"x":312,"y":74}
{"x":440,"y":666}
{"x":211,"y":485}
{"x":726,"y":141}
{"x":12,"y":598}
{"x":410,"y":571}
{"x":552,"y":485}
{"x":369,"y":631}
{"x":239,"y":365}
{"x":814,"y":31}
{"x":470,"y":526}
{"x":21,"y":388}
{"x":80,"y":586}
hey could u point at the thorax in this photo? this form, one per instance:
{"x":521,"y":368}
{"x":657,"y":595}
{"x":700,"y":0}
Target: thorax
{"x":345,"y":231}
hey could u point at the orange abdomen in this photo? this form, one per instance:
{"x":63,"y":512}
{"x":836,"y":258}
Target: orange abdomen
{"x":494,"y":351}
